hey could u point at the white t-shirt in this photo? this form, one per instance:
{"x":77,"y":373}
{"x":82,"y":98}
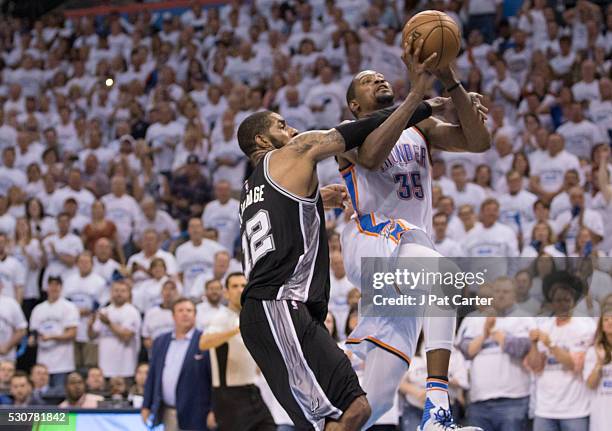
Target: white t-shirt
{"x":11,"y":320}
{"x":193,"y":261}
{"x":157,"y":321}
{"x":450,"y":248}
{"x":12,"y":275}
{"x":472,"y":194}
{"x":588,"y":91}
{"x":516,"y":210}
{"x":560,"y":393}
{"x":161,"y":136}
{"x":601,"y":400}
{"x":124,"y":212}
{"x":241,"y":369}
{"x":551,"y":170}
{"x":52,"y":319}
{"x":329,"y":96}
{"x":493,"y":372}
{"x":142,"y":260}
{"x":600,"y":113}
{"x":83,"y":197}
{"x":580,"y":138}
{"x":162,"y":222}
{"x":105,"y":270}
{"x":11,"y":177}
{"x":69,"y":244}
{"x":115,"y":357}
{"x":224,"y":218}
{"x":592,"y":220}
{"x":147,"y":294}
{"x":206,"y":313}
{"x":85,"y":293}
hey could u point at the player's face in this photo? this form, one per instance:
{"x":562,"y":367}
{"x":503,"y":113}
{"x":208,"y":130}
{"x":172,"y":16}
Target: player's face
{"x":280,"y":133}
{"x":372,"y":92}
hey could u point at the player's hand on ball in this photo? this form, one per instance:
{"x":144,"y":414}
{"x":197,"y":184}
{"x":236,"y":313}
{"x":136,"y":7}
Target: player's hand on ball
{"x":334,"y":196}
{"x":418,"y":72}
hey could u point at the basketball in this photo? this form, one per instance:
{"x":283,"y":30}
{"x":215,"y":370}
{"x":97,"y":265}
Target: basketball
{"x":439,"y":33}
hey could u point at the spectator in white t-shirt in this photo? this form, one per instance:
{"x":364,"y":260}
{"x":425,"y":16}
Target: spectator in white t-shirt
{"x":339,"y":289}
{"x":446,"y":246}
{"x":117,"y":328}
{"x":163,"y":136}
{"x":9,"y":174}
{"x":84,"y":289}
{"x":158,"y":320}
{"x":12,"y":272}
{"x":54,"y":324}
{"x":598,"y":373}
{"x":196,"y":256}
{"x":156,"y":219}
{"x":569,"y":222}
{"x":62,"y":249}
{"x":496,"y":346}
{"x":465,"y":192}
{"x":587,"y":89}
{"x":13,"y":327}
{"x":557,"y":353}
{"x":222,"y":215}
{"x":516,"y":206}
{"x":122,"y":209}
{"x":580,"y":134}
{"x":549,"y":171}
{"x":211,"y":305}
{"x":139,"y":263}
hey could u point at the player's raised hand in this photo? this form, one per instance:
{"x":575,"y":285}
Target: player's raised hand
{"x":418,"y":71}
{"x":334,"y":196}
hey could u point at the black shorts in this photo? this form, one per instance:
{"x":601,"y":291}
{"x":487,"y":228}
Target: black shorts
{"x":308,"y":373}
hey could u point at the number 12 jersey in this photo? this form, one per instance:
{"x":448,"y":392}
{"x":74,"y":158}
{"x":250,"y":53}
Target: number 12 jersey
{"x":284,"y":244}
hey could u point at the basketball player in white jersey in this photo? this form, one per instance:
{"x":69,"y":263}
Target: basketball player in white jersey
{"x":389,"y":181}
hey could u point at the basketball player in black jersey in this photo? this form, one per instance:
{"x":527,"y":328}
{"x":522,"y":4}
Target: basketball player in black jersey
{"x":286,"y":260}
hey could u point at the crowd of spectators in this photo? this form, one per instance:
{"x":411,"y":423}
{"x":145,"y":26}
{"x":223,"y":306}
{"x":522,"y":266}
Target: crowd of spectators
{"x":121,"y":170}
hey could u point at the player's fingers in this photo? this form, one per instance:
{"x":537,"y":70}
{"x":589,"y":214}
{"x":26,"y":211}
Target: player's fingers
{"x":430,"y":60}
{"x":417,"y":49}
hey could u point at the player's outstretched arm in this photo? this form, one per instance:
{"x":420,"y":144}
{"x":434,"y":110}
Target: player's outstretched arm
{"x":381,"y":141}
{"x":471,"y":133}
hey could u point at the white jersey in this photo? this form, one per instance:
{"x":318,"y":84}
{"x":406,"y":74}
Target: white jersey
{"x":399,"y":189}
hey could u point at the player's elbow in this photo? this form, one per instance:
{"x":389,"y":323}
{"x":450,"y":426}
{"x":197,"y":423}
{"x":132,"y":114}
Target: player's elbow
{"x":482,"y":142}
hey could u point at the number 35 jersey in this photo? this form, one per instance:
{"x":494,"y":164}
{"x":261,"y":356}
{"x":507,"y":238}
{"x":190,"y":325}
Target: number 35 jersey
{"x":284,"y":244}
{"x":399,"y":189}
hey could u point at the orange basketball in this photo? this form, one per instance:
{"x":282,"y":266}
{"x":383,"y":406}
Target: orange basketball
{"x":439,"y":33}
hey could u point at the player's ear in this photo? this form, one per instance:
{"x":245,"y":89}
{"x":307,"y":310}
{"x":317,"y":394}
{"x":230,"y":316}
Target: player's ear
{"x":261,"y":141}
{"x":354,"y":107}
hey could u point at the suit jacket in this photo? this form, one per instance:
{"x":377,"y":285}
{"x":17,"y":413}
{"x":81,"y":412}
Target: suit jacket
{"x":193,"y":389}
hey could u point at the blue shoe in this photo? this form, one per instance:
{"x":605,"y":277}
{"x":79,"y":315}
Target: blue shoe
{"x":440,"y":419}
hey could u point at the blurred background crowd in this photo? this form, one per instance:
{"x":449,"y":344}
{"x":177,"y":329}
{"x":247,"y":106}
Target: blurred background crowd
{"x":120,"y":172}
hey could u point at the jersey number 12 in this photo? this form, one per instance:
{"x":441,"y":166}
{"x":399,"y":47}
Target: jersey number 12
{"x":257,"y":240}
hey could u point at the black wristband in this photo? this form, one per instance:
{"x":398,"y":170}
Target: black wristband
{"x":422,"y":112}
{"x":356,"y":132}
{"x":452,"y":87}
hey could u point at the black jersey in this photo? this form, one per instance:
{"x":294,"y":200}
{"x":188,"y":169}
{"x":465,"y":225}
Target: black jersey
{"x":284,"y":244}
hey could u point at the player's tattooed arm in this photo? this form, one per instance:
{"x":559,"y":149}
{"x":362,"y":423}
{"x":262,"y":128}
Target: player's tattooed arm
{"x":317,"y":145}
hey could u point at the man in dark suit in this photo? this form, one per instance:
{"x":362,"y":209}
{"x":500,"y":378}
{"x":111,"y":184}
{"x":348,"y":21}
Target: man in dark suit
{"x":178,"y":387}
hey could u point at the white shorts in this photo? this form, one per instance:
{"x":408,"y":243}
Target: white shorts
{"x":363,"y":238}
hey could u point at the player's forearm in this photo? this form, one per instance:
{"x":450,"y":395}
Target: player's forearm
{"x":477,"y":137}
{"x":212,"y":341}
{"x":380,"y":142}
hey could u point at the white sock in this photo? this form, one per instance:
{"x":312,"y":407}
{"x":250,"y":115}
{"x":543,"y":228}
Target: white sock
{"x":437,"y":392}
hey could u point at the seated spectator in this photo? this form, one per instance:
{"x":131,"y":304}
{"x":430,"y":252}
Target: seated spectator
{"x":190,"y":191}
{"x":158,"y":320}
{"x":95,"y":381}
{"x":117,"y":397}
{"x":147,"y":294}
{"x":39,"y":376}
{"x":211,"y":304}
{"x":7,"y":370}
{"x":100,"y":227}
{"x":21,"y":391}
{"x":156,"y":219}
{"x":136,"y":393}
{"x":76,"y":397}
{"x":139,"y":263}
